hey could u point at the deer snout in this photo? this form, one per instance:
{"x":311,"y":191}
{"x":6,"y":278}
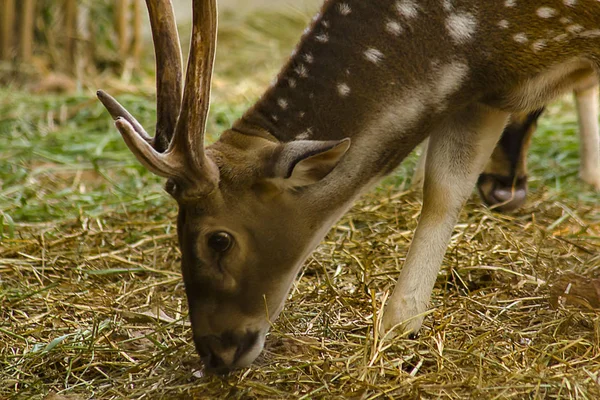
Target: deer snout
{"x":222,"y":353}
{"x":500,"y":195}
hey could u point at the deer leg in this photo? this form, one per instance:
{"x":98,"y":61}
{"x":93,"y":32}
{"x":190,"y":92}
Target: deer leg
{"x":587,"y":110}
{"x":457,"y":152}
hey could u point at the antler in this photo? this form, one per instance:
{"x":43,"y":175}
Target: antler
{"x":177,"y":149}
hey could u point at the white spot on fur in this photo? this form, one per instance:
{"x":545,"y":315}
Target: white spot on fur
{"x":343,"y":89}
{"x":570,"y":3}
{"x":301,"y":71}
{"x":546,"y":12}
{"x":447,"y":4}
{"x":576,"y":28}
{"x":308,"y":57}
{"x":325,"y":24}
{"x":322,"y":37}
{"x":461,"y":27}
{"x":520,"y":38}
{"x":510,"y":3}
{"x":503,"y":24}
{"x":304,"y":135}
{"x":451,"y":77}
{"x":407,"y":8}
{"x":373,"y":55}
{"x":344,"y":9}
{"x":274,"y":117}
{"x":393,"y":27}
{"x":292,"y":82}
{"x":316,"y":17}
{"x":539,"y":45}
{"x":282,"y":103}
{"x":301,"y":114}
{"x":561,"y":37}
{"x":592,"y":33}
{"x":565,"y":20}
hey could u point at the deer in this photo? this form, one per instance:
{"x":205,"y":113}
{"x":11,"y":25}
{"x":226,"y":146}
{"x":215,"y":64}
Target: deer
{"x":368,"y":82}
{"x":503,"y":183}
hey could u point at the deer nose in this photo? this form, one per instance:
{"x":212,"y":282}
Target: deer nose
{"x":222,"y":353}
{"x":508,"y":198}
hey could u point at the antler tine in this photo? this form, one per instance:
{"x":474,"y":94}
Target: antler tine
{"x":191,"y":125}
{"x":116,"y":110}
{"x":167,"y":50}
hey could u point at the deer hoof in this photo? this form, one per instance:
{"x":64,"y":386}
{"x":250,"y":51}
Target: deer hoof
{"x":402,"y":319}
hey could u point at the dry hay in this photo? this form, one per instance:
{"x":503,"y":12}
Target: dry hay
{"x":92,"y":304}
{"x":81,"y":300}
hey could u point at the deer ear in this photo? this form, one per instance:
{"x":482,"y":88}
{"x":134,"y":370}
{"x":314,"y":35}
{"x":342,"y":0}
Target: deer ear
{"x":304,"y":162}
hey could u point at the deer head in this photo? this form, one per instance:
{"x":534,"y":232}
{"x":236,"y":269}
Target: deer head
{"x":243,"y":226}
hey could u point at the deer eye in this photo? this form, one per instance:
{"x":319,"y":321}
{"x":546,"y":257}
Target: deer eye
{"x":220,"y":242}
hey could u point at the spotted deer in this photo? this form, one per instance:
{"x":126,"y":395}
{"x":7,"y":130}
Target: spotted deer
{"x":503,"y":183}
{"x":368,"y":81}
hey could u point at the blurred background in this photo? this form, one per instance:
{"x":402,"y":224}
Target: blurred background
{"x":55,"y":44}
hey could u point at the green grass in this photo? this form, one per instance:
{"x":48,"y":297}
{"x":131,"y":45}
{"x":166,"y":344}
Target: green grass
{"x":88,"y":255}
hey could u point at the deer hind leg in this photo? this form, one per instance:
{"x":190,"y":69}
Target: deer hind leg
{"x":456,"y":155}
{"x":586,"y":99}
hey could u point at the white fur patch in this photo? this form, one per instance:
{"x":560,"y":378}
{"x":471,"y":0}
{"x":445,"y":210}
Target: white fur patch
{"x":461,"y":27}
{"x":546,"y":12}
{"x":503,"y":24}
{"x":407,"y":8}
{"x":539,"y":45}
{"x":575,"y":28}
{"x":510,"y":3}
{"x":343,"y":89}
{"x":592,"y":33}
{"x":561,"y":37}
{"x":308,"y":57}
{"x":570,"y":3}
{"x":301,"y":70}
{"x":393,"y":27}
{"x":373,"y":55}
{"x":450,"y":78}
{"x":322,"y":37}
{"x":304,"y":135}
{"x":565,"y":20}
{"x":282,"y":103}
{"x":520,"y":38}
{"x":344,"y":9}
{"x":447,"y":4}
{"x":292,"y":82}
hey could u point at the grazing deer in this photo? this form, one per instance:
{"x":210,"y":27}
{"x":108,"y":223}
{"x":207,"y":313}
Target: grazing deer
{"x":503,"y":182}
{"x":368,"y":82}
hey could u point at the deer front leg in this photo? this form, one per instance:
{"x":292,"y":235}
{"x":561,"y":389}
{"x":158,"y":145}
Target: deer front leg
{"x":587,"y":110}
{"x":456,"y":155}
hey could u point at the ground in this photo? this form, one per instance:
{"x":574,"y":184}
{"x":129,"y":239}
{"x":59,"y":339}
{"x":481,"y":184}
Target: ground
{"x":92,"y":304}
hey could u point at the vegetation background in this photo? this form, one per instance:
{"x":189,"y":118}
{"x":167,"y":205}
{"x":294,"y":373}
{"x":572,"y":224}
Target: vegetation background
{"x":92,"y":303}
